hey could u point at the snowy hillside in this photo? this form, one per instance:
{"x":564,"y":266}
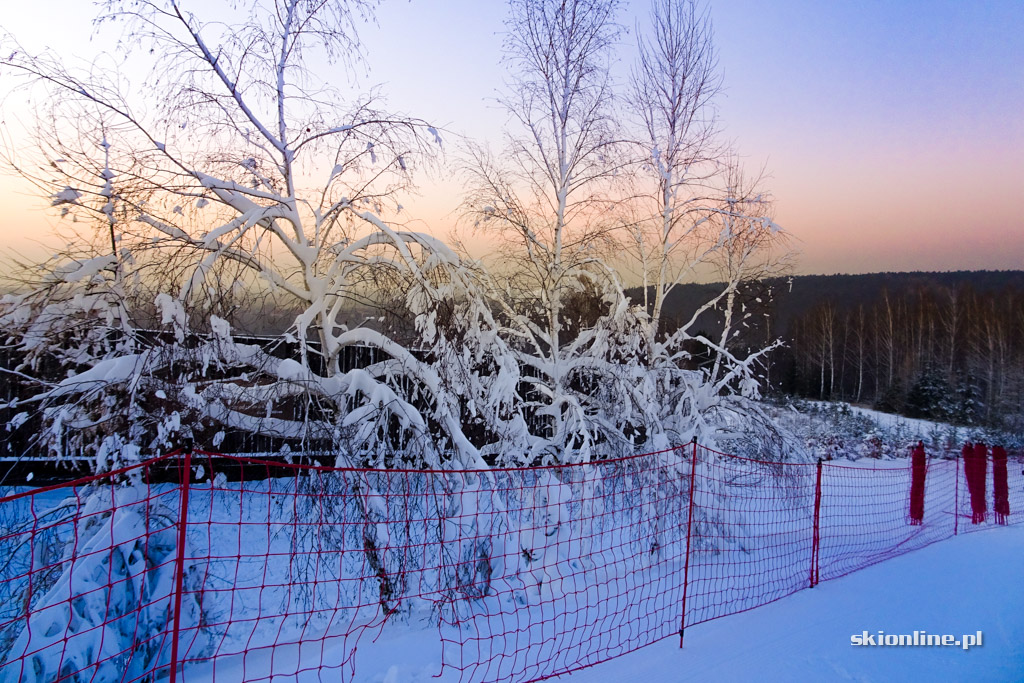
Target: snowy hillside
{"x":834,"y":430}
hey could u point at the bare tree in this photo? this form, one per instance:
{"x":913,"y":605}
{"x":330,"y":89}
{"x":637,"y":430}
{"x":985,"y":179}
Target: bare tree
{"x":827,"y":325}
{"x":744,"y":251}
{"x":952,"y":321}
{"x":860,"y":326}
{"x":564,"y":190}
{"x":672,"y":93}
{"x":223,"y":151}
{"x":546,"y":199}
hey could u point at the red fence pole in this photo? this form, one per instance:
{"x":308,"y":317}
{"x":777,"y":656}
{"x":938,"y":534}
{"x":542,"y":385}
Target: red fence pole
{"x":1000,"y":486}
{"x":918,"y":473}
{"x":186,"y":476}
{"x":956,"y":498}
{"x":815,"y":536}
{"x":689,"y":526}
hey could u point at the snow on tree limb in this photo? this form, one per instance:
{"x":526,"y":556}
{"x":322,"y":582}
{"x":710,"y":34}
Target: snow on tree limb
{"x":542,"y":358}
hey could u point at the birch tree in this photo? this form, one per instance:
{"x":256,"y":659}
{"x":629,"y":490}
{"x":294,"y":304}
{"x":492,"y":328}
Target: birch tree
{"x":224,"y":145}
{"x":546,"y":202}
{"x":672,"y":91}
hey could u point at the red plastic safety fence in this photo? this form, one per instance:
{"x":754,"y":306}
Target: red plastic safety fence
{"x":560,"y":568}
{"x":864,"y":513}
{"x":201,"y":566}
{"x":753,"y":534}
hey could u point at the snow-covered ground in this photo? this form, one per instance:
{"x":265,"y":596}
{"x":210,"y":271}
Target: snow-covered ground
{"x":291,"y":573}
{"x":915,"y":428}
{"x":966,"y":584}
{"x":963,"y":585}
{"x":805,"y":636}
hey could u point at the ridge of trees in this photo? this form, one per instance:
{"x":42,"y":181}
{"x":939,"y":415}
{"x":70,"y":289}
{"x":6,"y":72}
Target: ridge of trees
{"x":943,"y":346}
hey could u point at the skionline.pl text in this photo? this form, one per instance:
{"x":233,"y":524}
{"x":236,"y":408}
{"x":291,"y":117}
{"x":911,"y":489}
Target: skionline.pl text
{"x":915,"y":639}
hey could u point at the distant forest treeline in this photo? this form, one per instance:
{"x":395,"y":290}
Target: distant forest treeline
{"x":947,"y":346}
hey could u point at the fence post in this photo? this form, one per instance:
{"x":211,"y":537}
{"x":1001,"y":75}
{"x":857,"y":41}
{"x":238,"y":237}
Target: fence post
{"x":956,"y":498}
{"x":186,"y":477}
{"x":816,"y":534}
{"x":689,"y":526}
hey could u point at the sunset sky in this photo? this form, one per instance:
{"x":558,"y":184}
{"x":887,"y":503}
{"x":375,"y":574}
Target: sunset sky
{"x":893,"y":131}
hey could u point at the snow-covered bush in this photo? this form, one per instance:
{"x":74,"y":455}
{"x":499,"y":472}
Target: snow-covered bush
{"x":102,"y":608}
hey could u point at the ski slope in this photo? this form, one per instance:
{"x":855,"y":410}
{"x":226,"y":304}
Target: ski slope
{"x":969,"y":583}
{"x":966,"y":584}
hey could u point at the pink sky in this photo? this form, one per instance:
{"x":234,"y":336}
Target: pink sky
{"x":892,"y":134}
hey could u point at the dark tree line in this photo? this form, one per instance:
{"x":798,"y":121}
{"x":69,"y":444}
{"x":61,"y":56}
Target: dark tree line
{"x":934,"y":351}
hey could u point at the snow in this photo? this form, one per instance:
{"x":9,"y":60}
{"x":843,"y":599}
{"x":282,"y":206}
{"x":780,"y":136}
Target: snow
{"x":843,"y":431}
{"x":68,"y":195}
{"x":76,"y":270}
{"x":945,"y":588}
{"x":172,"y":313}
{"x":915,"y":427}
{"x":114,"y":370}
{"x":220,"y":328}
{"x":962,"y":585}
